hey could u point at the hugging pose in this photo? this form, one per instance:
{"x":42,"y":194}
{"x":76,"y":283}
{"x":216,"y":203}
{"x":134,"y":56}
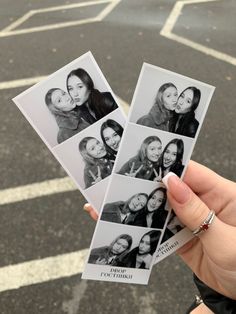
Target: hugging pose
{"x":99,"y":156}
{"x":119,"y":252}
{"x":139,"y":210}
{"x":80,"y":106}
{"x":173,"y":113}
{"x":152,"y":163}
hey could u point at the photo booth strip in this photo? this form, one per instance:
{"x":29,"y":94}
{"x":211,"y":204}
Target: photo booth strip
{"x":52,"y":128}
{"x":173,"y":235}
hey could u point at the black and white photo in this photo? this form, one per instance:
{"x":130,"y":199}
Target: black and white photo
{"x":113,"y":253}
{"x":98,"y":164}
{"x":141,"y":256}
{"x":139,"y":203}
{"x":170,"y":102}
{"x":111,"y":134}
{"x":184,"y":120}
{"x":63,"y":108}
{"x":125,"y":211}
{"x":172,"y":157}
{"x":68,"y":101}
{"x":153,"y":154}
{"x":80,"y":106}
{"x":166,"y":114}
{"x":121,"y":253}
{"x":145,"y":164}
{"x":75,"y":113}
{"x":91,"y":103}
{"x":162,"y":111}
{"x":87,"y":156}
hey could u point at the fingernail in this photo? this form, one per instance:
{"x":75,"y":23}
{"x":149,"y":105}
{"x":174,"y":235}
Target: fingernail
{"x":86,"y":206}
{"x":178,"y":189}
{"x":166,"y":178}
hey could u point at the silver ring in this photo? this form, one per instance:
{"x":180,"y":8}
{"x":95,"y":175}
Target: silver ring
{"x":204,"y":226}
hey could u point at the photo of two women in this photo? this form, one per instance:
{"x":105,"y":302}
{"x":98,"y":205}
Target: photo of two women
{"x":125,"y":247}
{"x":153,"y":155}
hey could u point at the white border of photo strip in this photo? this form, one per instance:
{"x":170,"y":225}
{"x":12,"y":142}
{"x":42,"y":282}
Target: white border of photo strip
{"x":32,"y":105}
{"x":150,"y":79}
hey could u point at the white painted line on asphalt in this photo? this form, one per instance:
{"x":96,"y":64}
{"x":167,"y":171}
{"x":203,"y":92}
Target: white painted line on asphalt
{"x":17,"y":22}
{"x":10,"y":30}
{"x":108,"y":10}
{"x":25,"y":17}
{"x":48,"y":27}
{"x":21,"y":82}
{"x":29,"y":191}
{"x":169,"y":26}
{"x":43,"y":270}
{"x":208,"y":51}
{"x":176,"y":12}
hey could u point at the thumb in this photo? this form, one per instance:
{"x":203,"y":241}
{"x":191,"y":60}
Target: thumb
{"x":186,"y":204}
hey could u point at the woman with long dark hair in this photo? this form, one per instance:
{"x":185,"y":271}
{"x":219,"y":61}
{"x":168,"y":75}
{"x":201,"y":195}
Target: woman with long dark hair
{"x":91,"y":104}
{"x":111,"y":134}
{"x":141,"y":256}
{"x":172,"y":157}
{"x":155,"y":214}
{"x":98,"y":164}
{"x":184,"y":121}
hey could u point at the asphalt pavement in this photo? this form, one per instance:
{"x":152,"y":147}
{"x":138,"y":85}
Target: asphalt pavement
{"x":53,"y":225}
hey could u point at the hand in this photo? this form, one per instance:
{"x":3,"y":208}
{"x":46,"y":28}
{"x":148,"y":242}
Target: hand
{"x":158,"y":176}
{"x":133,"y":173}
{"x":101,"y":261}
{"x":212,"y":254}
{"x":147,"y":261}
{"x":98,"y":178}
{"x":93,"y":214}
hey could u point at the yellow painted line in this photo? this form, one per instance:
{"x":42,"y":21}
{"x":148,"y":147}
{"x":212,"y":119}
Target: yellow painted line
{"x":11,"y":29}
{"x":43,"y":270}
{"x":167,"y":31}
